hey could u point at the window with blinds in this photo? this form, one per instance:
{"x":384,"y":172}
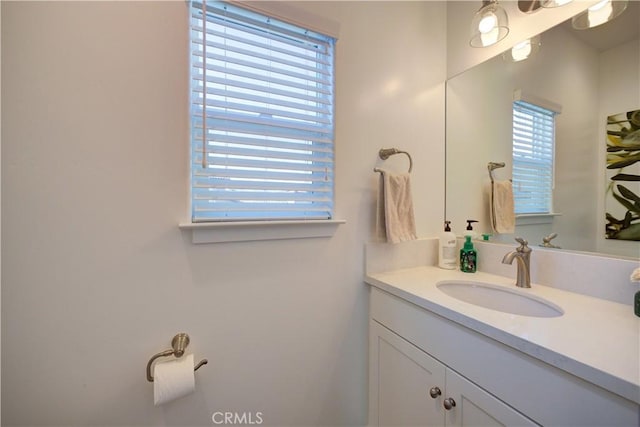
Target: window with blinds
{"x":261,"y":117}
{"x":533,"y":156}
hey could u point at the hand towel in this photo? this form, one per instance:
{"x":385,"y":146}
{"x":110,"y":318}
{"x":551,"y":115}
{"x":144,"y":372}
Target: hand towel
{"x":503,"y":218}
{"x":395,"y":220}
{"x":635,"y":275}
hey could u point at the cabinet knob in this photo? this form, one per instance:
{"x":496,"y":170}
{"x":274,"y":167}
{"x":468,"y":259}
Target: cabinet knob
{"x":435,"y":392}
{"x":449,"y":403}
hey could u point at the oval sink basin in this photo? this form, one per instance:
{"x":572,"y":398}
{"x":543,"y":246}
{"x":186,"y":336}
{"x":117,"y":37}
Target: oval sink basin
{"x":500,"y":298}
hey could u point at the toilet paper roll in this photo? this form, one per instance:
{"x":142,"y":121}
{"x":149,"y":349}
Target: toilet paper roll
{"x":173,"y":379}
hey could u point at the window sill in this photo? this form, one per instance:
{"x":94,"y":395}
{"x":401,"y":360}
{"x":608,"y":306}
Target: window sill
{"x":532,"y":219}
{"x":247,"y":231}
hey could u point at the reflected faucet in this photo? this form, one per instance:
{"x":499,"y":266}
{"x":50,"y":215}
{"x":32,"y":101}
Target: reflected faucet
{"x":523,"y":256}
{"x":546,"y":241}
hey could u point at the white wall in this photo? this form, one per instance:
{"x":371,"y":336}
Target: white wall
{"x":0,"y":201}
{"x":577,"y":140}
{"x":98,"y":277}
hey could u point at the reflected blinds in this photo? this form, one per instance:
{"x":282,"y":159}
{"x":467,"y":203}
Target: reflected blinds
{"x":533,"y":156}
{"x":261,"y":117}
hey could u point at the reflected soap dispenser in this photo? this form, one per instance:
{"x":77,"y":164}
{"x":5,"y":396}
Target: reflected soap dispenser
{"x":468,"y":256}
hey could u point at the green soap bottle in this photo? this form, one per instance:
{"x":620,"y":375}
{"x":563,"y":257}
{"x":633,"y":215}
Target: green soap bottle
{"x":468,"y":256}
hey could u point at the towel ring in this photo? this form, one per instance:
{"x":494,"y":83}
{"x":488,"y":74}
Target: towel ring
{"x":385,"y":153}
{"x":178,"y":344}
{"x":494,"y":165}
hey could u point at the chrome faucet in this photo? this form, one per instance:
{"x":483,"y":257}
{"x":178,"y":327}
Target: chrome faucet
{"x":523,"y":256}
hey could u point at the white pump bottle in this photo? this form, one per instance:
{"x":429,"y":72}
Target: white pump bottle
{"x":447,"y":254}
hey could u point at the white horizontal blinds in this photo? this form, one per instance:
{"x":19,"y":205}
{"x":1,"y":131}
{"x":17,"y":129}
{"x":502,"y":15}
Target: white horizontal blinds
{"x":265,"y":126}
{"x":533,"y":154}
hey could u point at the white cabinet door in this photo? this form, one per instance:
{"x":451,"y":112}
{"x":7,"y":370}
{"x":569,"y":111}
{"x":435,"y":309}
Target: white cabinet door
{"x":402,"y":377}
{"x":475,"y":407}
{"x":546,"y":394}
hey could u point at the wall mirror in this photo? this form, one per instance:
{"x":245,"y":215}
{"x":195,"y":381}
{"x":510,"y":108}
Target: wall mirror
{"x":591,"y":74}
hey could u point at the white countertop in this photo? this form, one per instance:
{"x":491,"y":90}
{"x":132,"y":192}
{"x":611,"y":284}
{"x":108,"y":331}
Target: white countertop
{"x":595,"y":339}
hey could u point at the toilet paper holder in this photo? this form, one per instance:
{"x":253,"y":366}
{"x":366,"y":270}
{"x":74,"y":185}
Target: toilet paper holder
{"x":178,"y":344}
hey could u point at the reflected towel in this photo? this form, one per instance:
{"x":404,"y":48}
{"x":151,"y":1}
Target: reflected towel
{"x":635,"y":275}
{"x":395,"y":220}
{"x":503,"y":218}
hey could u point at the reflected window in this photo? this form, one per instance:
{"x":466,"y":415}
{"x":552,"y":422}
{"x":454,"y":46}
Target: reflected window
{"x":533,"y":158}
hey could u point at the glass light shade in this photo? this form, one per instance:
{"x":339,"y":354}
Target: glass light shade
{"x":554,"y":3}
{"x":489,"y":25}
{"x":523,"y":50}
{"x":598,"y":14}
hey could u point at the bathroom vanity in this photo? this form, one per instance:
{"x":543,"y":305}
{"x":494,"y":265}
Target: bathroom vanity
{"x":437,"y":360}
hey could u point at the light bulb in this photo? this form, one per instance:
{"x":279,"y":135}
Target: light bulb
{"x":490,"y":37}
{"x":554,"y":3}
{"x":596,"y":7}
{"x":521,"y":51}
{"x":600,"y":13}
{"x":488,"y":23}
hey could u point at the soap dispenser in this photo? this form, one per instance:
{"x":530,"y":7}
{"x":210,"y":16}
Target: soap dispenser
{"x":468,"y":256}
{"x":469,"y":231}
{"x":447,"y":249}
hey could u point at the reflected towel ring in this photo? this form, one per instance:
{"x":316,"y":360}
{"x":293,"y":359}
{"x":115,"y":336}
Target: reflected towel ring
{"x":385,"y":153}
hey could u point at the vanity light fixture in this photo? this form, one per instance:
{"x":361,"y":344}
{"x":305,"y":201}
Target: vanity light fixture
{"x":553,"y":3}
{"x":530,"y":6}
{"x":598,"y":14}
{"x":523,"y":50}
{"x":489,"y":25}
